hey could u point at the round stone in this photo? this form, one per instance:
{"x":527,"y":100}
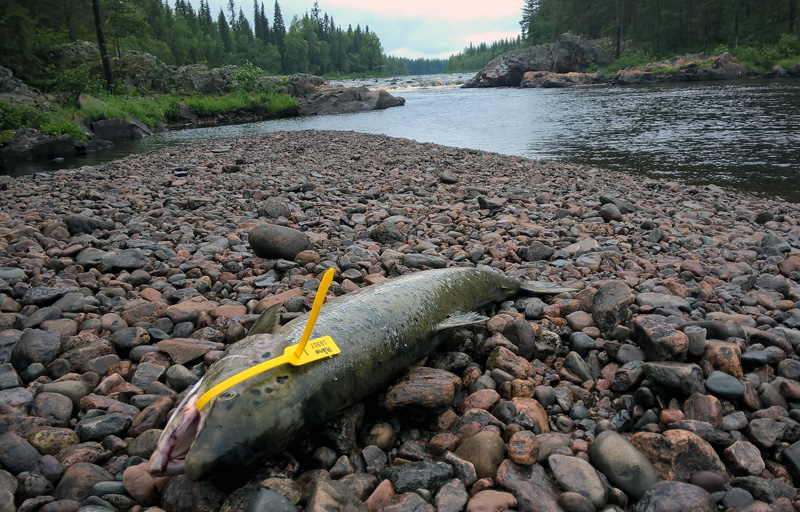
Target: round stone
{"x":724,"y":386}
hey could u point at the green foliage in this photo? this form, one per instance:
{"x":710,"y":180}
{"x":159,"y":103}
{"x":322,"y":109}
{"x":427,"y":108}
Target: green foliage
{"x":628,"y":60}
{"x":57,"y":125}
{"x":246,"y":75}
{"x":666,"y":28}
{"x":786,"y":53}
{"x":474,"y":58}
{"x":170,"y":105}
{"x":96,"y":111}
{"x":72,"y":82}
{"x":13,"y":117}
{"x":207,"y":106}
{"x":279,"y":103}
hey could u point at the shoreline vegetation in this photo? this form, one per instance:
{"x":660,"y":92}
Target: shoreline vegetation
{"x":80,"y":98}
{"x":167,"y":65}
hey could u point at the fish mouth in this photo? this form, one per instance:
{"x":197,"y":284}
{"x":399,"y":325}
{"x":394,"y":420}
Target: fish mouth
{"x":177,"y":440}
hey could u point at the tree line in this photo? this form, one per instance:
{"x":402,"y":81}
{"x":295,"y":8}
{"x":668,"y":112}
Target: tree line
{"x":662,"y":27}
{"x":177,"y":33}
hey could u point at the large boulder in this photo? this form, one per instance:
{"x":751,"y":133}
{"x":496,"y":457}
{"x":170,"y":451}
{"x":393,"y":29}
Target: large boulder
{"x":340,"y":100}
{"x":570,"y":53}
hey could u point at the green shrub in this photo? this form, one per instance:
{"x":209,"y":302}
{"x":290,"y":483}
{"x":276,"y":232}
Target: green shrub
{"x":170,"y":105}
{"x":245,"y":76}
{"x":58,"y":125}
{"x":789,"y":46}
{"x":13,"y":117}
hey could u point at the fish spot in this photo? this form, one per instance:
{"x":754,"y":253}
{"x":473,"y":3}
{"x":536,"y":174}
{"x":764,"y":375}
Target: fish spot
{"x":266,"y":355}
{"x":255,"y":391}
{"x":228,"y":395}
{"x":282,"y":379}
{"x":256,"y":403}
{"x":267,"y":390}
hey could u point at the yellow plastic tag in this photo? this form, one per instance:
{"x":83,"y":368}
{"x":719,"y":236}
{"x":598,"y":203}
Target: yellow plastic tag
{"x":315,"y":349}
{"x":304,"y":352}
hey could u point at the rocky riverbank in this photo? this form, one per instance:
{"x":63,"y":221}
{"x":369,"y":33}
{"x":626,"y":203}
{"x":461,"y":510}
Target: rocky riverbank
{"x":669,"y":378}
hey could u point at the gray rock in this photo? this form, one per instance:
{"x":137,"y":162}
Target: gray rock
{"x":687,"y":377}
{"x":15,"y":401}
{"x":724,"y":386}
{"x":35,"y":346}
{"x":179,"y":377}
{"x":16,"y":454}
{"x":266,"y":499}
{"x":697,"y":339}
{"x":273,"y":241}
{"x":77,"y":224}
{"x":447,"y":177}
{"x":623,"y":465}
{"x":764,"y":490}
{"x":423,"y":260}
{"x":610,"y":212}
{"x":672,"y":495}
{"x":610,"y":305}
{"x":451,"y":497}
{"x":274,"y":208}
{"x":90,"y":257}
{"x":576,"y":475}
{"x":581,"y":343}
{"x":97,"y":428}
{"x":387,"y":233}
{"x":11,"y":273}
{"x":129,"y":337}
{"x":128,"y":259}
{"x":662,"y":300}
{"x":419,"y":475}
{"x":333,"y":495}
{"x":538,"y":251}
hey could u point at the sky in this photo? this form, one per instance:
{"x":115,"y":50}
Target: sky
{"x":407,"y":28}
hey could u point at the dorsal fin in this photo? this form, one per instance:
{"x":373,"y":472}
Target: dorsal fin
{"x":268,"y":321}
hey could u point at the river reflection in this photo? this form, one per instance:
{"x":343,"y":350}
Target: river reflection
{"x":744,"y":134}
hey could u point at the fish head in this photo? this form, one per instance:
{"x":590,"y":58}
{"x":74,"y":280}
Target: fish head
{"x":250,"y":420}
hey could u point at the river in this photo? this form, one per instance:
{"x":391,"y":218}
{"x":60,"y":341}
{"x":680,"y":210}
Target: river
{"x":744,"y":135}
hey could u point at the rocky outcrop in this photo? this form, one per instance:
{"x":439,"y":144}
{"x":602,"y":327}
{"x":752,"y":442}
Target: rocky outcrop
{"x":689,"y":68}
{"x":30,"y":144}
{"x":569,"y":54}
{"x":340,"y":100}
{"x":548,"y":79}
{"x":15,"y":91}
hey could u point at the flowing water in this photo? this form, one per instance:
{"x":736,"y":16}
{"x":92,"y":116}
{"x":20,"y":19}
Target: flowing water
{"x":744,"y":135}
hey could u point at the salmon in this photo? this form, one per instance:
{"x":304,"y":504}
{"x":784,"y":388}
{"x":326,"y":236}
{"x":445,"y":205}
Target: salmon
{"x":381,"y":330}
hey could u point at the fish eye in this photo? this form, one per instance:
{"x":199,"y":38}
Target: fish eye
{"x":228,"y":395}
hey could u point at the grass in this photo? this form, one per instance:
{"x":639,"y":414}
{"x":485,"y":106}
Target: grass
{"x":149,"y":110}
{"x":55,"y":122}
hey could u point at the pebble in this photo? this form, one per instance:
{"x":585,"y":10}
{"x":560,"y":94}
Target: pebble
{"x":574,"y":474}
{"x":623,"y":465}
{"x":681,"y":336}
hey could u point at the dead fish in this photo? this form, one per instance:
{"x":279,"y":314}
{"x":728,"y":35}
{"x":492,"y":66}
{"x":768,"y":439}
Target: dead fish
{"x":381,"y":331}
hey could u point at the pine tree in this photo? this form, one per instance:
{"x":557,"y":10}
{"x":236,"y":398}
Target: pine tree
{"x":279,"y":30}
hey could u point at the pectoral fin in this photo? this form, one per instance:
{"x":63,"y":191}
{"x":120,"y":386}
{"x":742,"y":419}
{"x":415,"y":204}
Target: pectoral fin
{"x":460,"y":319}
{"x":268,"y":321}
